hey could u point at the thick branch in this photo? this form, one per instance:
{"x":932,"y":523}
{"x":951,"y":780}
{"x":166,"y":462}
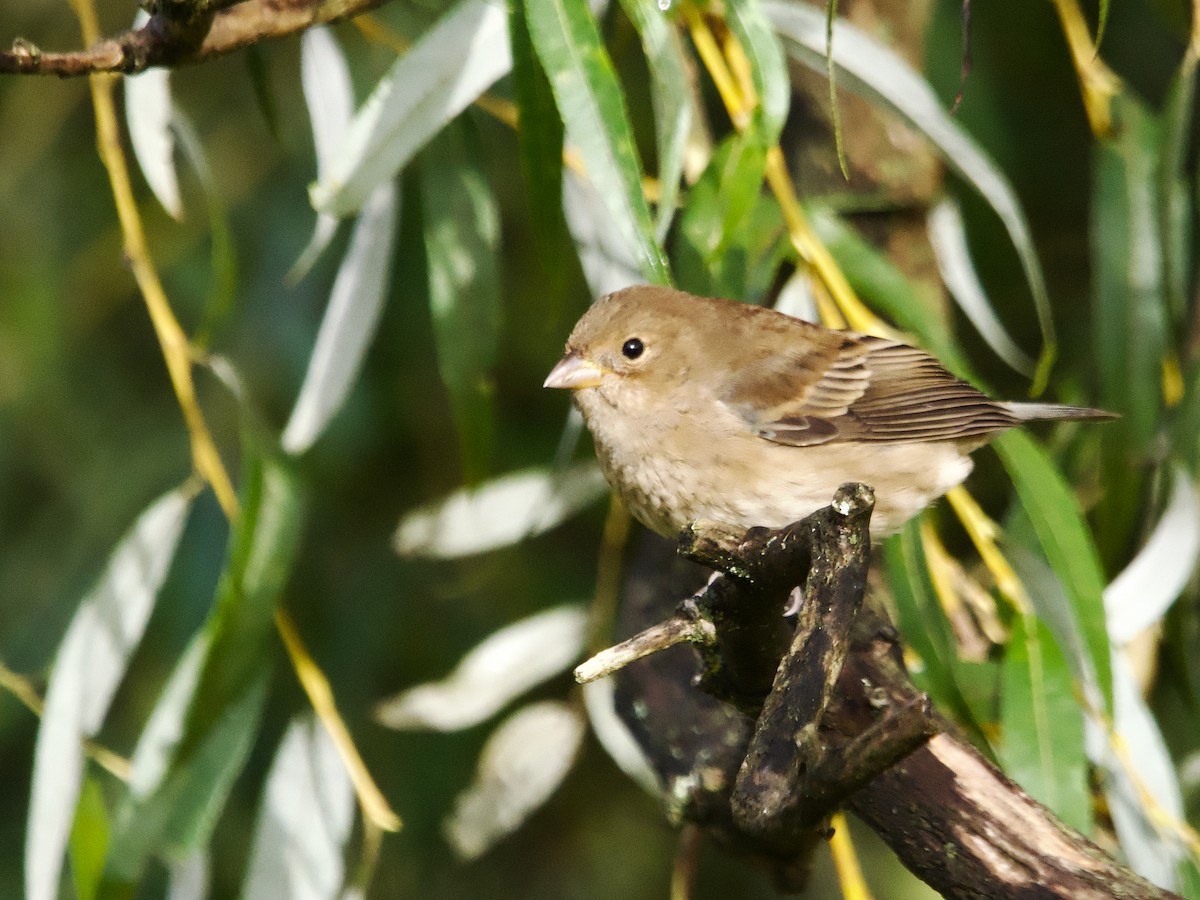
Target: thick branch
{"x":949,"y":814}
{"x":167,"y":40}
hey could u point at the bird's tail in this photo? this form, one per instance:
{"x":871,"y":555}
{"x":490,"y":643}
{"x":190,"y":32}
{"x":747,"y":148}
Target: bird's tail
{"x":1032,"y":412}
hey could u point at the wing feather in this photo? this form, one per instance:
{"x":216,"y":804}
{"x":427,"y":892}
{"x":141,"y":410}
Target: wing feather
{"x":861,"y":388}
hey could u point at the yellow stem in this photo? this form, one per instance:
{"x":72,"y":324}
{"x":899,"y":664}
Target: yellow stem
{"x":845,"y":860}
{"x":816,"y":254}
{"x":608,"y":575}
{"x":375,"y":808}
{"x":1097,"y":82}
{"x":982,"y":531}
{"x":22,"y":688}
{"x":178,"y":355}
{"x":709,"y":50}
{"x":938,"y":561}
{"x":737,"y":93}
{"x":177,"y":351}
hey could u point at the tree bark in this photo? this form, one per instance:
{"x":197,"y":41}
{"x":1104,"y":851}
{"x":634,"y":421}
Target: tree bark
{"x":948,"y":813}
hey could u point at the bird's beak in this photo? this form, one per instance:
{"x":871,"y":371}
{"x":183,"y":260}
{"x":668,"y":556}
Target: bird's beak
{"x":574,"y":372}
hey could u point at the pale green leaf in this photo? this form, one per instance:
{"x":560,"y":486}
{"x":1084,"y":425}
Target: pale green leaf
{"x":329,"y":96}
{"x":149,"y":112}
{"x":458,"y":59}
{"x":1150,"y":852}
{"x":1146,"y":588}
{"x":608,"y":262}
{"x":500,"y":512}
{"x":305,"y":820}
{"x":506,"y":665}
{"x":88,"y":668}
{"x":522,"y":764}
{"x":948,"y":238}
{"x":592,"y":107}
{"x":355,"y":305}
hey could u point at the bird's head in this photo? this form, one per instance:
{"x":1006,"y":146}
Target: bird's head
{"x":636,"y":337}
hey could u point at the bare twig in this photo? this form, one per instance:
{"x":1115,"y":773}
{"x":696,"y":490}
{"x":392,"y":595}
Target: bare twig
{"x":167,"y":40}
{"x":658,"y":637}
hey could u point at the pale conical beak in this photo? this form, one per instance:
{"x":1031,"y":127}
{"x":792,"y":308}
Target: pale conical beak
{"x":574,"y":372}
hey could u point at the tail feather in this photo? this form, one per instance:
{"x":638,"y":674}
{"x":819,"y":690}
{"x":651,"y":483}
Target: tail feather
{"x":1032,"y":412}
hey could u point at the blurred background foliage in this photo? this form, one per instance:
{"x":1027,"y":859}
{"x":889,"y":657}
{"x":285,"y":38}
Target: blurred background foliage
{"x":90,"y":431}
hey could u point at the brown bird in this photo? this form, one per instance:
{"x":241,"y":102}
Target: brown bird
{"x":707,"y":409}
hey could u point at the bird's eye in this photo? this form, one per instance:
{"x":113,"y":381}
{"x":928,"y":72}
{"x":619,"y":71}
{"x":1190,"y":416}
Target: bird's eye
{"x":633,"y":348}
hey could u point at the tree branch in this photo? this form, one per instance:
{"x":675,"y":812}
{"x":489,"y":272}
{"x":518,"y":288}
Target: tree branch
{"x":841,"y":723}
{"x":183,"y":33}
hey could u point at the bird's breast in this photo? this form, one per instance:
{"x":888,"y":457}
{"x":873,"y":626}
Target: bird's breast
{"x":673,"y":466}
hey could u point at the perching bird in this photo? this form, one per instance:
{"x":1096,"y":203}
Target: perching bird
{"x":707,"y":409}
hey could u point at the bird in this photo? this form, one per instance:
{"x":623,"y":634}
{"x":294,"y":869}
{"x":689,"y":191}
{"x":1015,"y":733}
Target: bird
{"x":711,"y":410}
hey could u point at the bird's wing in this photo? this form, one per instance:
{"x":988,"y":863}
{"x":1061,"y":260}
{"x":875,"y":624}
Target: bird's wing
{"x":864,"y":389}
{"x":801,"y":397}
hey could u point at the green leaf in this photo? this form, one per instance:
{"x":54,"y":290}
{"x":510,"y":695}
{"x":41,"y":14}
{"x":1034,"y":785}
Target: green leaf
{"x":831,"y":75}
{"x":264,"y":547}
{"x":222,"y":252}
{"x":725,"y":194}
{"x":462,"y":234}
{"x":671,"y":95}
{"x":172,"y":802}
{"x":1041,"y":746}
{"x":89,"y":840}
{"x":540,"y":143}
{"x":730,"y":240}
{"x":1174,"y":190}
{"x":1185,"y":429}
{"x":1064,"y":537}
{"x":1189,"y":879}
{"x":1130,"y":314}
{"x":924,"y":627}
{"x":206,"y":720}
{"x":592,"y":107}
